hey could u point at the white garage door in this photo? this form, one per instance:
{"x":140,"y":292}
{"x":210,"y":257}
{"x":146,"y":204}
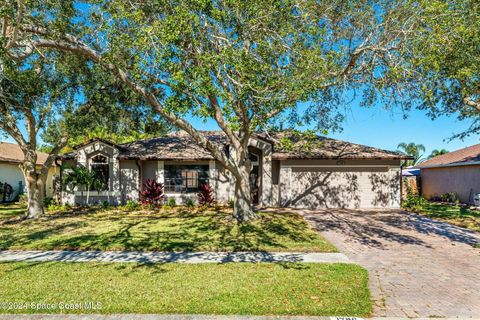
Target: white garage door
{"x":344,"y":187}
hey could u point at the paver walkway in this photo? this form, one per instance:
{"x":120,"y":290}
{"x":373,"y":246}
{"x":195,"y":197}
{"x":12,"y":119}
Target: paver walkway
{"x":167,"y":257}
{"x":418,"y":267}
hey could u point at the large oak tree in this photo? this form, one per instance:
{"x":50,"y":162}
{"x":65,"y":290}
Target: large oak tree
{"x":442,"y":57}
{"x":242,"y":63}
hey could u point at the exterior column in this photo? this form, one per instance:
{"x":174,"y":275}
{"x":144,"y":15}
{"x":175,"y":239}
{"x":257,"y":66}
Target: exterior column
{"x":213,"y":177}
{"x":285,"y":186}
{"x":160,"y":172}
{"x":115,"y":185}
{"x":267,"y":180}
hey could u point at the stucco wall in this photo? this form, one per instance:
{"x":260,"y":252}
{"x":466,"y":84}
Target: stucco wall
{"x":129,"y":180}
{"x":113,"y":195}
{"x":345,"y":184}
{"x":11,"y":173}
{"x":463,"y":180}
{"x":224,"y":183}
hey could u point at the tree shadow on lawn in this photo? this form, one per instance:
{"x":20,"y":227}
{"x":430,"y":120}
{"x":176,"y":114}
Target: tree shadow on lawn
{"x":9,"y":239}
{"x":184,"y":230}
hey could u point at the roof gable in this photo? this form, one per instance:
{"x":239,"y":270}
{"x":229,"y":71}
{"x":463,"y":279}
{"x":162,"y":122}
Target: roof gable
{"x":466,"y":156}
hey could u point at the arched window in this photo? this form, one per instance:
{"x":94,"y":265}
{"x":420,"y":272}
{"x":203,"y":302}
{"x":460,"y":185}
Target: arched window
{"x":101,"y":167}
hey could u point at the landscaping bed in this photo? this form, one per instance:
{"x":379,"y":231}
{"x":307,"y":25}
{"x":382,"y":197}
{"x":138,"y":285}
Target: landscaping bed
{"x":165,"y":229}
{"x":234,"y":288}
{"x":456,"y":214}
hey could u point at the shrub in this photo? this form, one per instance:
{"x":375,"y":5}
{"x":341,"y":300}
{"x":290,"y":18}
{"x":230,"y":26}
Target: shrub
{"x":231,"y":203}
{"x":171,"y":202}
{"x":205,"y":196}
{"x":449,"y":197}
{"x":105,"y":204}
{"x":152,"y":193}
{"x":132,"y":205}
{"x":414,"y":201}
{"x":6,"y":191}
{"x":190,"y":203}
{"x":23,"y":198}
{"x":48,"y":201}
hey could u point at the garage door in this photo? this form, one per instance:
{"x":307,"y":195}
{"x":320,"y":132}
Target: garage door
{"x":344,"y":187}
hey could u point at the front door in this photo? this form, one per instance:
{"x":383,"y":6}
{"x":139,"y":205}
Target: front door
{"x":254,"y":189}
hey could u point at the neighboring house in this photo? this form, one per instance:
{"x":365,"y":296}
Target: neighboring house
{"x":456,"y":171}
{"x":331,"y":174}
{"x":11,"y":156}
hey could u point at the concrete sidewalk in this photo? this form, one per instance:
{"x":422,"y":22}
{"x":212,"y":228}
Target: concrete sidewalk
{"x":168,"y":257}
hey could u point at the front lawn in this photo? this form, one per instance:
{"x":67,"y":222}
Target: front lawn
{"x":235,"y":288}
{"x":169,"y":229}
{"x":456,"y":215}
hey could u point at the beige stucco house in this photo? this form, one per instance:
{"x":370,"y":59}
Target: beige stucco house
{"x":11,"y":156}
{"x":457,"y":171}
{"x":328,"y":174}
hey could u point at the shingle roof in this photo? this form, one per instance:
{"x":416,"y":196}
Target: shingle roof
{"x":11,"y":152}
{"x":327,"y":148}
{"x":173,"y":146}
{"x":465,"y":156}
{"x":180,"y":146}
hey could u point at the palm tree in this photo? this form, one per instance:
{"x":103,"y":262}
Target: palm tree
{"x":83,"y":178}
{"x":436,"y":152}
{"x":412,"y":149}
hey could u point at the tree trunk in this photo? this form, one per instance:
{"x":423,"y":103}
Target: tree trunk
{"x":35,"y":184}
{"x":88,"y":195}
{"x":243,"y":207}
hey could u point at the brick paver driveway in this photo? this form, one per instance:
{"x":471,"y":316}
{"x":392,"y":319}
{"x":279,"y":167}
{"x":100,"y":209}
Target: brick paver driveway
{"x":418,"y":267}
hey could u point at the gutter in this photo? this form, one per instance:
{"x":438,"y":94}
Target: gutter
{"x":454,"y":164}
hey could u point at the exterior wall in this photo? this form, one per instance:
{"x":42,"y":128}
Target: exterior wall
{"x":224,"y":183}
{"x":11,"y":174}
{"x":344,"y":184}
{"x":129,"y":180}
{"x":113,"y":195}
{"x":52,"y":173}
{"x":463,"y":180}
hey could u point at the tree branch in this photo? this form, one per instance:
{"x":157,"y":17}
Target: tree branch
{"x":16,"y":28}
{"x":472,"y":103}
{"x":71,"y":44}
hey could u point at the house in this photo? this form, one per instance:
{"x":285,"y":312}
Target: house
{"x":324,"y":173}
{"x":11,"y":156}
{"x":457,"y":171}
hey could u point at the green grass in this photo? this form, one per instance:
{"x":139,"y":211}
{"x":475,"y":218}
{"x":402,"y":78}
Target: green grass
{"x":234,"y":288}
{"x":455,"y":215}
{"x":175,"y":229}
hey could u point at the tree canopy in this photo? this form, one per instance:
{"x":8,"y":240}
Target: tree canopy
{"x":247,"y":63}
{"x":443,"y":54}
